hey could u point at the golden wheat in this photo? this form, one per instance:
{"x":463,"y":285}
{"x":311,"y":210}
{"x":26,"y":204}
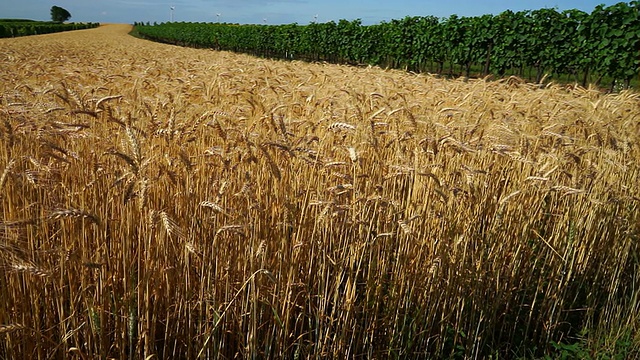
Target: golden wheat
{"x":169,"y":202}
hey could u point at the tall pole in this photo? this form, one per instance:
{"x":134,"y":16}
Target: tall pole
{"x":172,"y":8}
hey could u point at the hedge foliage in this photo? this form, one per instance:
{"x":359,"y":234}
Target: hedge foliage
{"x":605,"y":42}
{"x":19,"y":27}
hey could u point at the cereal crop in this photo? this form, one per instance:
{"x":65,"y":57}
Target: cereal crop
{"x":165,"y":202}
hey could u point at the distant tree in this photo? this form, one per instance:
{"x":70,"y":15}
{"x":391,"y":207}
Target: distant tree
{"x":59,"y":14}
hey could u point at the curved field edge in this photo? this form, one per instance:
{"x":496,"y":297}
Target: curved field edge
{"x":175,"y":202}
{"x":599,"y":47}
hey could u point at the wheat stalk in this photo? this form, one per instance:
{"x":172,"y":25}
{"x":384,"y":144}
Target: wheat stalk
{"x":9,"y":328}
{"x":73,"y":213}
{"x":29,"y":268}
{"x":101,"y":101}
{"x":169,"y":225}
{"x":338,"y":126}
{"x":213,"y":206}
{"x":5,"y":173}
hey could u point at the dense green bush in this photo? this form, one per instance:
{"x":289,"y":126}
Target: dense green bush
{"x":17,"y":27}
{"x":605,"y":42}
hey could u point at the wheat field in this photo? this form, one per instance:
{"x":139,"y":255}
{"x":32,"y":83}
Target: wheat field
{"x":163,"y":202}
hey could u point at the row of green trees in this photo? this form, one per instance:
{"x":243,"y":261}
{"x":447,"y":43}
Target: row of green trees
{"x":602,"y":44}
{"x":24,"y":28}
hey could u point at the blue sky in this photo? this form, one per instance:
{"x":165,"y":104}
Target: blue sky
{"x":274,"y":11}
